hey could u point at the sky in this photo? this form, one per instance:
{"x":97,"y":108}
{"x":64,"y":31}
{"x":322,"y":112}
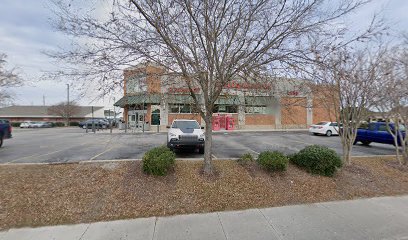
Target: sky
{"x":26,"y":32}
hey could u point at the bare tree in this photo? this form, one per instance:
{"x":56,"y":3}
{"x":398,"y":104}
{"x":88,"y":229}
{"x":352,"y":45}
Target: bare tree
{"x":65,"y":110}
{"x":392,"y":99}
{"x":351,"y":77}
{"x":8,"y":78}
{"x":209,"y":43}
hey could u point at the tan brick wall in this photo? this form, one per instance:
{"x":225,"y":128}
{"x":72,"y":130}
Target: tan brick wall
{"x":191,"y":116}
{"x":323,"y":106}
{"x":259,"y":119}
{"x":293,"y":111}
{"x":153,"y":79}
{"x":153,"y":75}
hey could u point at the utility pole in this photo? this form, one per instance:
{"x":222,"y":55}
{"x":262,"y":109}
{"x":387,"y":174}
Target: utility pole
{"x":114,"y":111}
{"x":68,"y":112}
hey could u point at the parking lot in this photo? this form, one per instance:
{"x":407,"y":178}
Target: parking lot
{"x":74,"y":144}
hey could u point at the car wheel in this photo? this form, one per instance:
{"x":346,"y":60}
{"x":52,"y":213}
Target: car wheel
{"x":1,"y":141}
{"x":201,"y":150}
{"x":329,"y":133}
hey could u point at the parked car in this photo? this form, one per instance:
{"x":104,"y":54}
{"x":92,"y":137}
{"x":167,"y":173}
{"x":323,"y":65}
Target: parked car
{"x":5,"y":130}
{"x":27,"y":124}
{"x":185,"y":133}
{"x":40,"y":125}
{"x":325,"y":128}
{"x":378,"y":132}
{"x":98,"y":123}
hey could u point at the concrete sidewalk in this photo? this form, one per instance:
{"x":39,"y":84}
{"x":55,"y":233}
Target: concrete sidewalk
{"x":375,"y":218}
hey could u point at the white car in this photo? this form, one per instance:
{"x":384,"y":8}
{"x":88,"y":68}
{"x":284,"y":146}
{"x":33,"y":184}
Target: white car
{"x":184,"y":133}
{"x":27,"y":124}
{"x":325,"y":128}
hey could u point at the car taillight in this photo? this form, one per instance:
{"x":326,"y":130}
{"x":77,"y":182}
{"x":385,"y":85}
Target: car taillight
{"x":11,"y":128}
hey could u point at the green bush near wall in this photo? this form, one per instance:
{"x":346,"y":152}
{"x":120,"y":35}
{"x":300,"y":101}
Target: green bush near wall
{"x":15,"y":124}
{"x":74,"y":124}
{"x":59,"y":124}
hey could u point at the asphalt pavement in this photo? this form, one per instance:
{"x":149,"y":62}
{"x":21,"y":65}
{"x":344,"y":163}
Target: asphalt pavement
{"x":74,"y":144}
{"x":375,"y":218}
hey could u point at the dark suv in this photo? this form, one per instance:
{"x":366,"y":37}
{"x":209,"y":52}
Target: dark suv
{"x":5,"y":130}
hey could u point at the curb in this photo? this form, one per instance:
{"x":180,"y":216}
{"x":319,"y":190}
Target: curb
{"x":106,"y":161}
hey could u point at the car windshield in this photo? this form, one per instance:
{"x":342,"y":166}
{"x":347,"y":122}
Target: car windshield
{"x":402,"y":128}
{"x":186,"y":124}
{"x":321,"y":123}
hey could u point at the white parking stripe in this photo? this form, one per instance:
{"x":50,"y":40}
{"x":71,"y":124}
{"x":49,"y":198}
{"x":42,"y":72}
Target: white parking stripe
{"x":97,"y":155}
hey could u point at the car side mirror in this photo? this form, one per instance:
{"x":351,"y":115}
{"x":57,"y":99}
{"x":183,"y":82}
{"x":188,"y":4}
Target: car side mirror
{"x":202,"y":127}
{"x":167,"y":126}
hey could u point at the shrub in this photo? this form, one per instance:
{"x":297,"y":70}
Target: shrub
{"x":246,"y":159}
{"x":158,"y":161}
{"x":318,"y":160}
{"x":59,"y":124}
{"x":273,"y":161}
{"x":74,"y":124}
{"x":15,"y":124}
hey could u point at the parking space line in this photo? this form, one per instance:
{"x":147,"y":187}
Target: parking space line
{"x":301,"y":142}
{"x":97,"y":155}
{"x":45,"y":154}
{"x":34,"y":155}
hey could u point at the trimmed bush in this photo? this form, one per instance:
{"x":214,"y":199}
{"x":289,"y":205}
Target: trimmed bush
{"x":158,"y":161}
{"x":15,"y":124}
{"x":74,"y":124}
{"x":317,"y":160}
{"x":59,"y":124}
{"x":273,"y":161}
{"x":245,"y":159}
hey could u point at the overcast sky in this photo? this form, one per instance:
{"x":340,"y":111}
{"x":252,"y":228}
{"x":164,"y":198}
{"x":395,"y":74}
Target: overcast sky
{"x":25,"y":32}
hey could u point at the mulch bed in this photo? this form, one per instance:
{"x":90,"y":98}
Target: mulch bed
{"x":37,"y":195}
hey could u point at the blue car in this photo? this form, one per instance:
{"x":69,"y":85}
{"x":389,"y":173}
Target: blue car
{"x":5,"y":130}
{"x":379,"y":132}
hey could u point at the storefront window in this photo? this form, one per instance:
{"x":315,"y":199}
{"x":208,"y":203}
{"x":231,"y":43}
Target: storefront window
{"x":174,"y":109}
{"x":225,"y":108}
{"x":185,"y":109}
{"x":180,"y":108}
{"x":256,"y":109}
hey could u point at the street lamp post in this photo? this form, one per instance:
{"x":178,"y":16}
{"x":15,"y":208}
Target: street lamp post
{"x":68,"y":112}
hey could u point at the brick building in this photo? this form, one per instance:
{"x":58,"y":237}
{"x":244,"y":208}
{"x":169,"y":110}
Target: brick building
{"x":156,"y":97}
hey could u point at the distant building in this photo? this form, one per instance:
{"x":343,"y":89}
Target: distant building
{"x":41,"y":113}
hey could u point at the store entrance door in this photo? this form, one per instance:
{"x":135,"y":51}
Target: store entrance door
{"x":136,"y":119}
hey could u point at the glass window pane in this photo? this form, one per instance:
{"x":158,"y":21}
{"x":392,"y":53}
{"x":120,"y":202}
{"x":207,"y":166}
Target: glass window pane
{"x":185,"y":109}
{"x":174,"y":109}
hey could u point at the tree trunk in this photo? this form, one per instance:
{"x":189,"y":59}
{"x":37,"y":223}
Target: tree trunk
{"x":404,"y":154}
{"x":346,"y":153}
{"x":208,"y":166}
{"x":347,"y":146}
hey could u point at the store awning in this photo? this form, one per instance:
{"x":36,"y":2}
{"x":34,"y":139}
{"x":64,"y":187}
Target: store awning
{"x":180,"y":98}
{"x":138,"y":99}
{"x":258,"y":100}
